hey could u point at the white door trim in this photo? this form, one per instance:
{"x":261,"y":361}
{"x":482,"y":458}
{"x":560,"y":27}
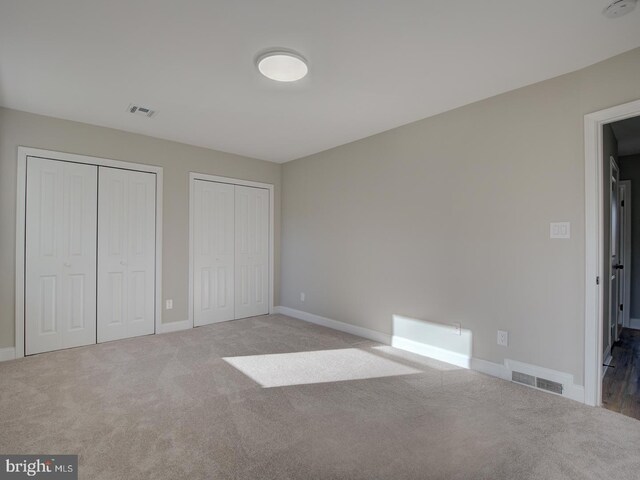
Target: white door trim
{"x":23,"y":153}
{"x":593,"y":123}
{"x":193,"y":176}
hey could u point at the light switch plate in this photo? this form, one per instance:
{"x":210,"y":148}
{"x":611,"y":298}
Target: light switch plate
{"x":560,"y":230}
{"x":169,"y":304}
{"x":503,"y":338}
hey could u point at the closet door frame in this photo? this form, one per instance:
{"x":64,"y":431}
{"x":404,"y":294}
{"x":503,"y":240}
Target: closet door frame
{"x":23,"y":154}
{"x":193,"y":176}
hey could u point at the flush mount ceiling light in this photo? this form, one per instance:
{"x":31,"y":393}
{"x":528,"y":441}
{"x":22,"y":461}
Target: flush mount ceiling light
{"x":619,"y":8}
{"x":282,"y":65}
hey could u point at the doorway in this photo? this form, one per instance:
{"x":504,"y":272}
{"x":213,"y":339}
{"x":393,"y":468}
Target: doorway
{"x":621,"y":336}
{"x":594,"y":244}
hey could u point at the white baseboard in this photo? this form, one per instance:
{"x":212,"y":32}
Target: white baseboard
{"x":7,"y":353}
{"x":174,"y":326}
{"x":490,"y":368}
{"x":571,"y":390}
{"x":634,"y":323}
{"x":430,"y":351}
{"x":335,"y":324}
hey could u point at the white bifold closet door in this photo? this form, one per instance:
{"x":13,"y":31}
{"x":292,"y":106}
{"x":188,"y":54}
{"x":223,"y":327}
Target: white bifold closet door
{"x":60,"y":251}
{"x":126,"y":253}
{"x":230,"y":252}
{"x":252,"y":252}
{"x":213,"y":252}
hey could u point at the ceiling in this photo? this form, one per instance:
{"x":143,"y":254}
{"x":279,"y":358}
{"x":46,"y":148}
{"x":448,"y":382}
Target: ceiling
{"x":374,"y":64}
{"x":627,"y":134}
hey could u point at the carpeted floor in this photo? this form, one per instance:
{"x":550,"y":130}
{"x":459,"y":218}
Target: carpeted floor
{"x":182,"y":406}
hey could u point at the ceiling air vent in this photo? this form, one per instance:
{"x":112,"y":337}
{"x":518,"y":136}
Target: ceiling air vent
{"x":142,"y":111}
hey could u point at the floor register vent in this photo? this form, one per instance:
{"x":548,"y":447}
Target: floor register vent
{"x":537,"y":382}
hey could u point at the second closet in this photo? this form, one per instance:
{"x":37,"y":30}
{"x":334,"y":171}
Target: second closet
{"x":230,"y":252}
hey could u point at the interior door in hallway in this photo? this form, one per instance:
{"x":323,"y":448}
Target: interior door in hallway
{"x":615,"y":319}
{"x":213,"y":252}
{"x":60,"y":276}
{"x":126,"y":253}
{"x":252,"y":251}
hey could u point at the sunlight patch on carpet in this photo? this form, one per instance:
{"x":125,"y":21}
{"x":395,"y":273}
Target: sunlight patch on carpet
{"x":321,"y":366}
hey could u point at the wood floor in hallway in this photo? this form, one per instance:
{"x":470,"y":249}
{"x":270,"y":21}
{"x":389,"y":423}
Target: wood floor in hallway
{"x":620,"y":387}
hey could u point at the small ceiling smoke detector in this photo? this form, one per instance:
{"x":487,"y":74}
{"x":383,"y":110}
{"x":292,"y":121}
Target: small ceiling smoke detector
{"x":142,"y":111}
{"x":282,"y":65}
{"x":619,"y":8}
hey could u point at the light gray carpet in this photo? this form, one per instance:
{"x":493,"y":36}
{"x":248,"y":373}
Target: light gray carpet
{"x":174,"y":406}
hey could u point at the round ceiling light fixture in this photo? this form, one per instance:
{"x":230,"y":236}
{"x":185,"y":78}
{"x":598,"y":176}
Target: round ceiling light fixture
{"x":619,"y":8}
{"x":282,"y":65}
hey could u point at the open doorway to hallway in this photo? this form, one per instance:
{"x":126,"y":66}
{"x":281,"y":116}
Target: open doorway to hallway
{"x":621,"y":269}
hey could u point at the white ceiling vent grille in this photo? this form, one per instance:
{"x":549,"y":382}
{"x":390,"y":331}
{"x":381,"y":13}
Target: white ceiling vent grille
{"x":142,"y":111}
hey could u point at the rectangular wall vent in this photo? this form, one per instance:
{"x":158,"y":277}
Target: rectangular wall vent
{"x":549,"y":385}
{"x":537,"y":382}
{"x":143,"y":111}
{"x":523,"y":378}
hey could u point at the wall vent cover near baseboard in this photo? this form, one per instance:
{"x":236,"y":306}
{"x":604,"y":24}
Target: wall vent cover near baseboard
{"x":523,"y":378}
{"x":549,"y":385}
{"x":537,"y":382}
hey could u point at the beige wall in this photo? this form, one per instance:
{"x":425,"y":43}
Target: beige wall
{"x":19,"y":128}
{"x":447,"y":220}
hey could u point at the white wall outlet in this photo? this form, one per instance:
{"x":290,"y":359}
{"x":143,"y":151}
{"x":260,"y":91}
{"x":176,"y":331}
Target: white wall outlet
{"x":503,"y":338}
{"x":457,"y":328}
{"x":560,"y":230}
{"x":169,"y":304}
{"x":302,"y":296}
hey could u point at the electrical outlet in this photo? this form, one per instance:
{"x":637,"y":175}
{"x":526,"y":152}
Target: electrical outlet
{"x":302,"y":296}
{"x":503,"y":338}
{"x":457,"y":328}
{"x":169,"y":304}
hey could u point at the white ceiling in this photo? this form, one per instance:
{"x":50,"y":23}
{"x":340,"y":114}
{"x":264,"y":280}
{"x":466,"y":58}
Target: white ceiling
{"x":374,"y":64}
{"x":627,"y":134}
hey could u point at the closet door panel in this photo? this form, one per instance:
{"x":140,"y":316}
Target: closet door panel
{"x":60,"y":275}
{"x":213,"y":252}
{"x":252,"y":251}
{"x":141,"y":247}
{"x":126,"y":253}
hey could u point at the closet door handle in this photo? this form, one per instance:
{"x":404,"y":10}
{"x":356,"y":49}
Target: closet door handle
{"x":67,"y":264}
{"x":123,"y":263}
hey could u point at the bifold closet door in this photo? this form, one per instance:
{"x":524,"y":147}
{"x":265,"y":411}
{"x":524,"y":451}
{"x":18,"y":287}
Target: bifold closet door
{"x":60,"y":252}
{"x":251,"y":252}
{"x":213,"y":252}
{"x":126,"y":253}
